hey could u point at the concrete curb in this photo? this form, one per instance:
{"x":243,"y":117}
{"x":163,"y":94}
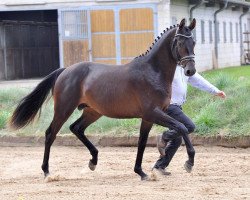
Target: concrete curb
{"x":120,"y":141}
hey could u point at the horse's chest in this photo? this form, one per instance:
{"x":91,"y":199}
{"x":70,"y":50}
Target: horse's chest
{"x":163,"y":97}
{"x":166,"y":103}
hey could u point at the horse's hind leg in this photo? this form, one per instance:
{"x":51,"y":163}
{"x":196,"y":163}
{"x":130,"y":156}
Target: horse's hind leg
{"x":78,"y":127}
{"x":60,"y":116}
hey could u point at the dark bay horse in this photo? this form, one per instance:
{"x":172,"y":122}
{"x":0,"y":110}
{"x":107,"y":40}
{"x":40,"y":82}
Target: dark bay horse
{"x":139,"y":89}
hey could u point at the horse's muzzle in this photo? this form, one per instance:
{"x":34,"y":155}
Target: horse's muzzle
{"x":189,"y":69}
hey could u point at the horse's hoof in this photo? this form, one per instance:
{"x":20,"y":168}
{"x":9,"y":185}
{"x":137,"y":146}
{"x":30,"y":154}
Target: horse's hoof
{"x":47,"y":178}
{"x":46,"y":175}
{"x":145,"y":178}
{"x":91,"y":166}
{"x":188,"y":166}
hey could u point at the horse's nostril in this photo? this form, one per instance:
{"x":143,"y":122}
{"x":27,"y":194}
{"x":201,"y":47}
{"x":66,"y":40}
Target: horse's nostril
{"x":188,"y":72}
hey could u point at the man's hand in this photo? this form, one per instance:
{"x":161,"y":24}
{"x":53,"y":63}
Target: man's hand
{"x":221,"y":94}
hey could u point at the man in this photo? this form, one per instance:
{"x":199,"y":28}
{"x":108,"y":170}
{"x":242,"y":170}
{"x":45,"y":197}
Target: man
{"x":166,"y":148}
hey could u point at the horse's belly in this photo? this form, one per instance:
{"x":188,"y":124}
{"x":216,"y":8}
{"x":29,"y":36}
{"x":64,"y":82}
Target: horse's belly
{"x":115,"y":107}
{"x":121,"y":114}
{"x":119,"y":111}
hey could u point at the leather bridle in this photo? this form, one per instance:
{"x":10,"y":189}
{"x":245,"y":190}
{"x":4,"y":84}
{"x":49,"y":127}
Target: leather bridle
{"x":176,"y":54}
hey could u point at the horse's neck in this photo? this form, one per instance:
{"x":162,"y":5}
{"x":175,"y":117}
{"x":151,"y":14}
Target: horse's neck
{"x":161,"y":59}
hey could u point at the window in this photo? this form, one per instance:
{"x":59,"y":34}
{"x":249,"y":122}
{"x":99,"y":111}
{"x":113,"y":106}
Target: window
{"x":245,"y":30}
{"x":225,"y":31}
{"x":210,"y":31}
{"x":202,"y":32}
{"x":237,"y":32}
{"x":75,"y":24}
{"x":218,"y":32}
{"x":231,"y":32}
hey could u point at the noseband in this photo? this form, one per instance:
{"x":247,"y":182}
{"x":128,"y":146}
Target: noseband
{"x":177,"y":55}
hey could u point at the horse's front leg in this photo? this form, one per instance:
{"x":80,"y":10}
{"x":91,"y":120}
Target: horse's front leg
{"x":144,"y":131}
{"x":191,"y":153}
{"x":177,"y":129}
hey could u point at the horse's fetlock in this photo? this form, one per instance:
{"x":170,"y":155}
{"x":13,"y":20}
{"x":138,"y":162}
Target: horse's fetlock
{"x":45,"y":167}
{"x":94,"y":153}
{"x":191,"y":153}
{"x":137,"y":170}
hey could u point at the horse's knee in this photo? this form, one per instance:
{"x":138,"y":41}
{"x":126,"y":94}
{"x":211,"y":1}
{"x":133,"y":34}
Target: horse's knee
{"x":182,"y":129}
{"x":191,"y":128}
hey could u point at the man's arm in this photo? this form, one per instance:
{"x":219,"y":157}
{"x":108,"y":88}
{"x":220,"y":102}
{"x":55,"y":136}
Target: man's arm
{"x":199,"y":82}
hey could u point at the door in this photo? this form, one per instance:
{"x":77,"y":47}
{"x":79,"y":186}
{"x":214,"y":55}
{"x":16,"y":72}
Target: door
{"x":75,"y":36}
{"x":110,"y":35}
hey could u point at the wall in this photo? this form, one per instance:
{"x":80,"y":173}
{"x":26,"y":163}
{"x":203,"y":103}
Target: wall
{"x":229,"y":51}
{"x":163,"y":15}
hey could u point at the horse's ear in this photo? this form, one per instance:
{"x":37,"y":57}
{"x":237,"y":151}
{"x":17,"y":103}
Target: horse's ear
{"x":192,"y":24}
{"x":182,"y":23}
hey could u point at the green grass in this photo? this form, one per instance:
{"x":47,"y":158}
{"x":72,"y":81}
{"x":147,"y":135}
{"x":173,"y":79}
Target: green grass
{"x":212,"y":115}
{"x":229,"y":117}
{"x":236,"y":72}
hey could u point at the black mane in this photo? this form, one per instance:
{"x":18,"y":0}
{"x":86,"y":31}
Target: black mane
{"x":157,"y":39}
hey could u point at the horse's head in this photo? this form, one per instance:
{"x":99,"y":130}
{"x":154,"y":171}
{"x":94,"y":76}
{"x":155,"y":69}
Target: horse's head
{"x":183,"y":47}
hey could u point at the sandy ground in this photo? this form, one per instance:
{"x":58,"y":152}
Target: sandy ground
{"x":219,"y":173}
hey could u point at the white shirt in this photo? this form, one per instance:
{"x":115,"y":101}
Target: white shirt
{"x":179,"y":85}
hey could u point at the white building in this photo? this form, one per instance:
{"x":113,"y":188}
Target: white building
{"x":37,"y":36}
{"x":224,"y":48}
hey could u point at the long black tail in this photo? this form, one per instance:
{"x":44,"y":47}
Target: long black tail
{"x":30,"y":105}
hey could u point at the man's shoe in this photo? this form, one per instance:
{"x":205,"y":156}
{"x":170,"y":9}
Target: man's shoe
{"x":162,"y":171}
{"x":161,"y":145}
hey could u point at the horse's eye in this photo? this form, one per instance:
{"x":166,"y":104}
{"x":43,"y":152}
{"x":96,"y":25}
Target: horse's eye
{"x":180,"y":44}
